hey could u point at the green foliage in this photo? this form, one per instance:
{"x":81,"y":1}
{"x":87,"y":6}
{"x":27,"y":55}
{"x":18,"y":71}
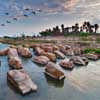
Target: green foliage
{"x":98,"y":40}
{"x":84,"y":34}
{"x":46,"y":33}
{"x":92,"y":50}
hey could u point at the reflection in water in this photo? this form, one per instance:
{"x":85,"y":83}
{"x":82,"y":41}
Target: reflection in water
{"x":53,"y":82}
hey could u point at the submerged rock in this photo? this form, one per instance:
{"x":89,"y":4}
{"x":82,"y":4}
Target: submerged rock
{"x":25,"y":52}
{"x":21,"y":81}
{"x":59,"y":54}
{"x":66,"y":64}
{"x":53,"y":72}
{"x":41,"y":60}
{"x":77,"y":60}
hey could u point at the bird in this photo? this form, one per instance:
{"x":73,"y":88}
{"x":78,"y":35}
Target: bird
{"x":39,"y":10}
{"x":2,"y":24}
{"x":33,"y":12}
{"x":8,"y":21}
{"x":27,"y":9}
{"x":25,"y":15}
{"x":7,"y":13}
{"x":15,"y":19}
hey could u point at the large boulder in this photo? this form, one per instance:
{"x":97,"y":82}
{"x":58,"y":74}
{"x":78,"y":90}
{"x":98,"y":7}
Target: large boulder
{"x":59,"y":54}
{"x":4,"y":52}
{"x":24,"y":52}
{"x":51,"y":56}
{"x":69,"y":52}
{"x":47,"y":47}
{"x":77,"y":51}
{"x":39,"y":51}
{"x":66,"y":64}
{"x":15,"y":63}
{"x":12,"y":52}
{"x":52,"y":71}
{"x":92,"y":56}
{"x":41,"y":60}
{"x":21,"y":81}
{"x":77,"y":60}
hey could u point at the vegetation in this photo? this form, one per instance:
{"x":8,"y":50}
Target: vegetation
{"x":92,"y":50}
{"x":83,"y":30}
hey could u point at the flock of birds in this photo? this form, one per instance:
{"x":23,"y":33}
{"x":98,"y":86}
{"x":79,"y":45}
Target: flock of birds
{"x":31,"y":12}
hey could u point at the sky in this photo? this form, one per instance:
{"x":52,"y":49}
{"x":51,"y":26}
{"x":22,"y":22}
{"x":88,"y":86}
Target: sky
{"x":49,"y":13}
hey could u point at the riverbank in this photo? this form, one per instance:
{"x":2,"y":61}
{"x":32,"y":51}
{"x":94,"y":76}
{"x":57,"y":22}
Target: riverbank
{"x":92,"y":40}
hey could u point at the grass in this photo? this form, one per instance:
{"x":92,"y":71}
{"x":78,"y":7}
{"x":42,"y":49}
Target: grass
{"x":92,"y":50}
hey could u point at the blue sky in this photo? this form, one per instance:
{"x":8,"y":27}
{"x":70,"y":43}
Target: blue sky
{"x":53,"y":12}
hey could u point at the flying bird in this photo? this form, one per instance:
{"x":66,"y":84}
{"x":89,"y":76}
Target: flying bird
{"x":33,"y":12}
{"x":8,"y":21}
{"x":2,"y":24}
{"x":25,"y":15}
{"x":15,"y":19}
{"x":7,"y":13}
{"x":27,"y":9}
{"x":39,"y":10}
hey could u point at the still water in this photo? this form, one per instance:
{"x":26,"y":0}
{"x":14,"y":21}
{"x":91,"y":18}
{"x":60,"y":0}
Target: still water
{"x":83,"y":83}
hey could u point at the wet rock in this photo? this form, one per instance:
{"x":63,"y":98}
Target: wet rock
{"x":13,"y":59}
{"x":77,"y":51}
{"x":39,"y":51}
{"x":12,"y":52}
{"x":24,"y":52}
{"x":59,"y":54}
{"x":66,"y":64}
{"x":92,"y":56}
{"x":21,"y":81}
{"x":15,"y":63}
{"x":69,"y":52}
{"x":53,"y":72}
{"x":47,"y":47}
{"x":4,"y":52}
{"x":41,"y":60}
{"x":51,"y":56}
{"x":77,"y":60}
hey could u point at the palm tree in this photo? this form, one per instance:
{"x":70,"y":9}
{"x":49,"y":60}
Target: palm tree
{"x":62,"y":28}
{"x":96,"y":26}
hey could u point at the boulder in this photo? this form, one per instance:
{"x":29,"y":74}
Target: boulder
{"x":24,"y":52}
{"x":66,"y":64}
{"x":69,"y":52}
{"x":47,"y":47}
{"x":12,"y":52}
{"x":53,"y":72}
{"x":77,"y":51}
{"x":4,"y":52}
{"x":51,"y":56}
{"x":21,"y":81}
{"x":41,"y":60}
{"x":92,"y":56}
{"x":77,"y":60}
{"x":59,"y":54}
{"x":15,"y":63}
{"x":39,"y":51}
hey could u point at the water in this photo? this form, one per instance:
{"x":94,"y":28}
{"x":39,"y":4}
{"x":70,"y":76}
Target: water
{"x":83,"y":83}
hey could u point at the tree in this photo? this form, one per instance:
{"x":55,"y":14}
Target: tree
{"x":96,"y":26}
{"x":62,"y":28}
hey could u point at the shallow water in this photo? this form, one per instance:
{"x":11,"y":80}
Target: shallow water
{"x":83,"y":83}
